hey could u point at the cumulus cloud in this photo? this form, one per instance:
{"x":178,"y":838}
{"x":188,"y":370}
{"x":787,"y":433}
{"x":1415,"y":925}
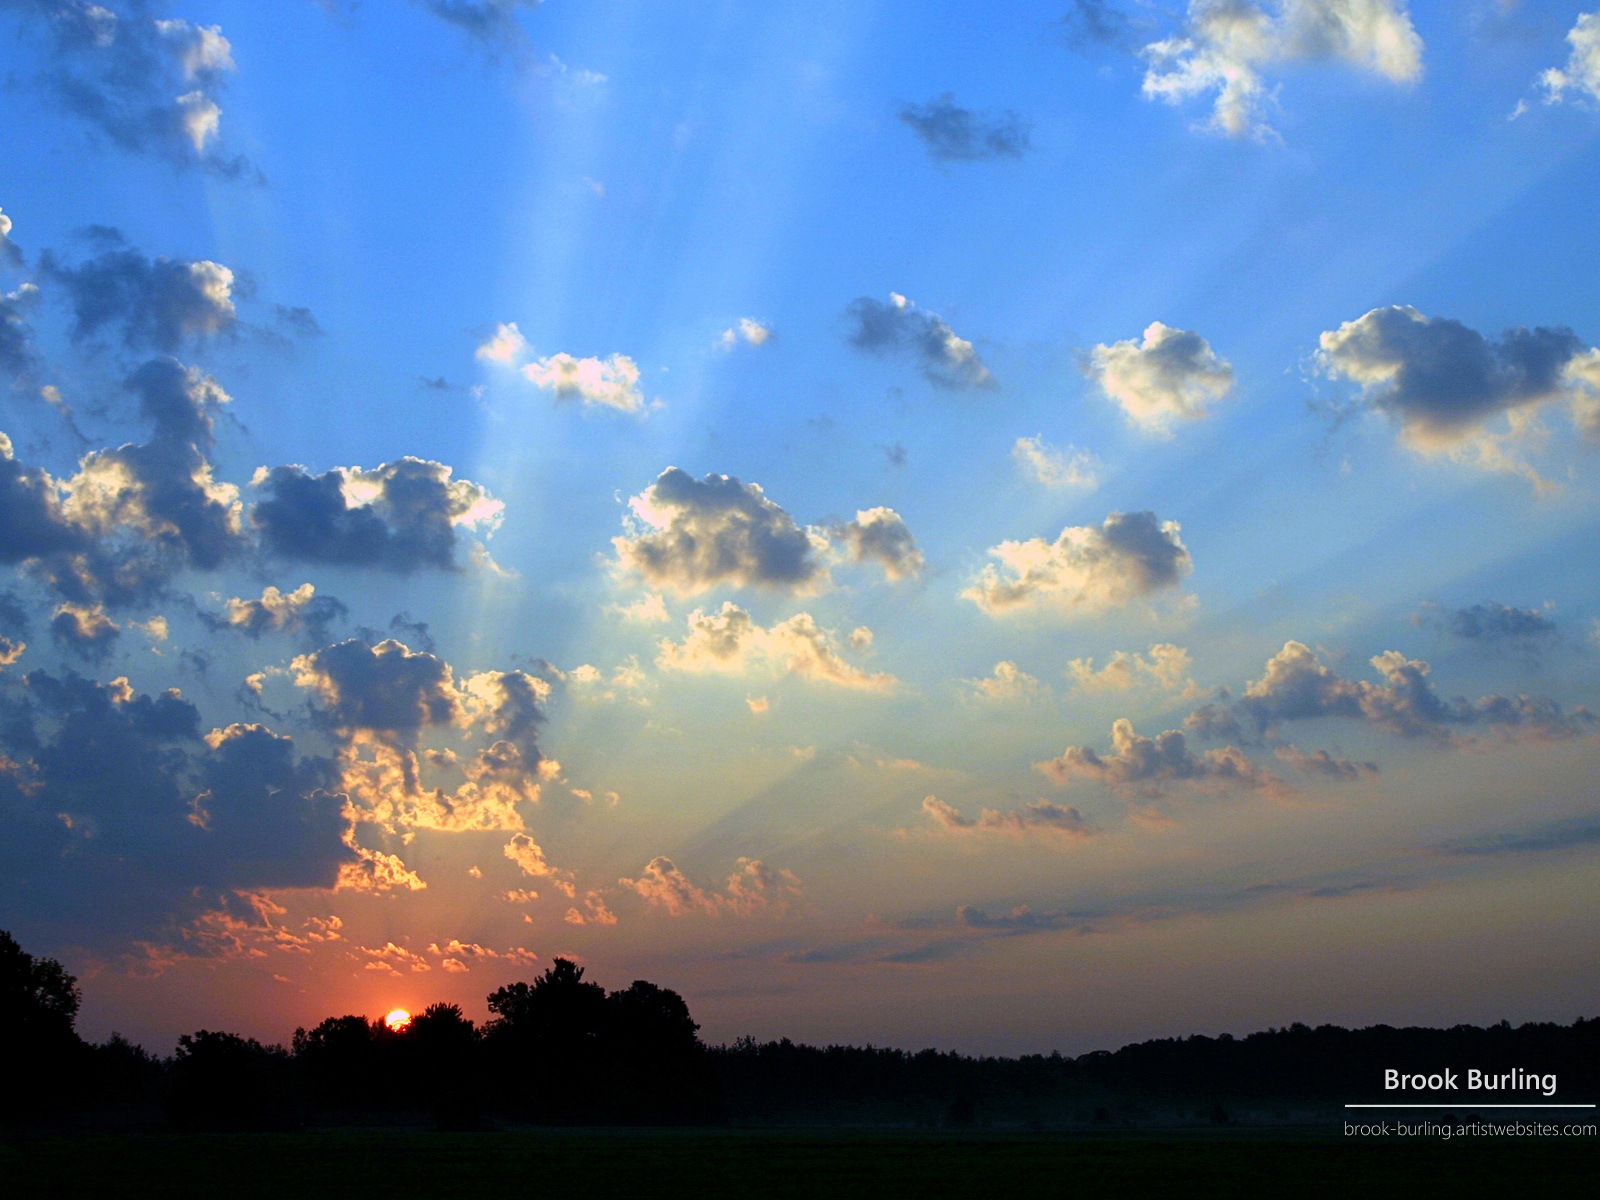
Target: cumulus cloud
{"x":133,"y":515}
{"x":1298,"y":686}
{"x":951,"y":133}
{"x":748,"y":330}
{"x":1172,"y":375}
{"x":752,"y":888}
{"x":1087,"y":569}
{"x":1040,"y":818}
{"x":730,"y":641}
{"x":298,"y":611}
{"x":1580,"y":78}
{"x":899,"y":326}
{"x":597,"y":382}
{"x":155,"y":303}
{"x":1453,"y":391}
{"x":879,"y":535}
{"x":85,"y":631}
{"x":529,"y":855}
{"x":401,"y":516}
{"x":16,"y":335}
{"x":689,"y":535}
{"x":149,"y":86}
{"x":387,"y":689}
{"x":505,"y":346}
{"x":1166,"y":667}
{"x":1064,"y":468}
{"x":10,"y":252}
{"x":1152,"y":766}
{"x":1007,"y":684}
{"x":120,"y":816}
{"x":1227,"y":47}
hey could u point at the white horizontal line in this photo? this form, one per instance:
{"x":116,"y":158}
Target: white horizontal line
{"x":1469,"y":1104}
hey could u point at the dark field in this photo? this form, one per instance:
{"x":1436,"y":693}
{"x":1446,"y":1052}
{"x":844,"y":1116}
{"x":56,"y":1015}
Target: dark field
{"x":829,"y":1163}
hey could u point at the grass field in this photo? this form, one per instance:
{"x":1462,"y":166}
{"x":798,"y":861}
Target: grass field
{"x":394,"y":1165}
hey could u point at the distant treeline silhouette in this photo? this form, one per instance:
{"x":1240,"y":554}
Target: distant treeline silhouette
{"x":562,"y":1050}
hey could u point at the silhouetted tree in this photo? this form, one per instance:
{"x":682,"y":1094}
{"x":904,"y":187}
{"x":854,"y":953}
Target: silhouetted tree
{"x":43,"y":1055}
{"x":224,"y":1080}
{"x":440,"y":1059}
{"x":340,"y":1064}
{"x":545,"y":1043}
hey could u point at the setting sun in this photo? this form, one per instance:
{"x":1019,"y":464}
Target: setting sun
{"x":397,"y":1019}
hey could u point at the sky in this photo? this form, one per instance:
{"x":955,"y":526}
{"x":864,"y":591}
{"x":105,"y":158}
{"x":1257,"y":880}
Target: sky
{"x":1008,"y":530}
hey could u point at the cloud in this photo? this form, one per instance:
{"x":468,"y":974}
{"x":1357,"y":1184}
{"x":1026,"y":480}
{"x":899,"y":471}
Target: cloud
{"x":649,"y":609}
{"x":1581,"y":75}
{"x":1544,"y":839}
{"x":1172,"y":375}
{"x":595,"y":911}
{"x":1086,"y":569}
{"x":1228,"y":45}
{"x":1092,"y":23}
{"x":505,"y":346}
{"x":1444,"y":384}
{"x":1008,"y":684}
{"x":1492,"y":622}
{"x":1320,"y":762}
{"x":299,"y":611}
{"x":1166,"y":667}
{"x":10,"y":252}
{"x":1297,"y":686}
{"x":1151,"y":766}
{"x":119,"y":817}
{"x":1040,"y":818}
{"x":880,"y":535}
{"x":1067,"y":467}
{"x":730,"y":641}
{"x":156,"y":303}
{"x":387,"y":689}
{"x":492,"y":23}
{"x":401,"y":516}
{"x":749,"y":331}
{"x":133,"y":515}
{"x":85,"y":631}
{"x":528,"y":855}
{"x":16,"y":335}
{"x":947,"y":360}
{"x":752,"y":888}
{"x":951,"y":133}
{"x":605,"y":383}
{"x":148,"y":86}
{"x":691,"y":535}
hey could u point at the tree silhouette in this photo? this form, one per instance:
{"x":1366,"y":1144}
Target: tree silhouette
{"x":42,"y":1052}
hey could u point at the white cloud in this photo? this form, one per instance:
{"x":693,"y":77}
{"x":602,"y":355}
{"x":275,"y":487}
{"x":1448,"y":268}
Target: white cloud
{"x":604,"y":383}
{"x":1086,"y":569}
{"x":1227,"y":46}
{"x":748,"y":330}
{"x":1582,"y":72}
{"x":1172,"y":375}
{"x":1067,"y":467}
{"x":1165,"y":667}
{"x":1007,"y":684}
{"x":730,"y":641}
{"x":505,"y":346}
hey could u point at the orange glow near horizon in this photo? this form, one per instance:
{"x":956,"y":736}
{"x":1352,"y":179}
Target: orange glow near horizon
{"x":397,"y":1019}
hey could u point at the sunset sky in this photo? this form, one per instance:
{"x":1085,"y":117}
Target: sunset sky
{"x":1008,"y":528}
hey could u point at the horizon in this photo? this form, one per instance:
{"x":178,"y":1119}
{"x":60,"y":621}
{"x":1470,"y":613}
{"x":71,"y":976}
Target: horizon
{"x":1007,"y":533}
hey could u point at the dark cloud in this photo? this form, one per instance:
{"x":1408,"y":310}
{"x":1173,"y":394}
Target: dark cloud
{"x":1297,"y":686}
{"x":16,"y":335}
{"x":1490,"y":622}
{"x":1320,"y":762}
{"x":387,"y":689}
{"x":298,"y":321}
{"x":1151,"y":766}
{"x":155,"y":303}
{"x":1441,"y":381}
{"x":1021,"y":919}
{"x":300,"y":611}
{"x":951,"y":133}
{"x":1544,"y":839}
{"x":116,"y":812}
{"x":86,"y":632}
{"x":1038,"y":818}
{"x":493,"y":22}
{"x":32,"y":523}
{"x":692,"y":534}
{"x":149,"y":86}
{"x":1092,"y":24}
{"x":401,"y":516}
{"x":413,"y":633}
{"x":948,"y":361}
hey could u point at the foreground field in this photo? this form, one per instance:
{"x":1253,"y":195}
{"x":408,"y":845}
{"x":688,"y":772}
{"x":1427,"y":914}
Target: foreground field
{"x":397,"y":1165}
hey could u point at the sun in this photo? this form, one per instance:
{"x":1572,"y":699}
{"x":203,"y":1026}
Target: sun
{"x":397,"y":1020}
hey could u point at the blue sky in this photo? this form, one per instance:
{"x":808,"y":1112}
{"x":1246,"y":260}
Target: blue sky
{"x":951,"y":298}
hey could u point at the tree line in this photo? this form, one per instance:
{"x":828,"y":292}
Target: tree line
{"x":561,"y":1049}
